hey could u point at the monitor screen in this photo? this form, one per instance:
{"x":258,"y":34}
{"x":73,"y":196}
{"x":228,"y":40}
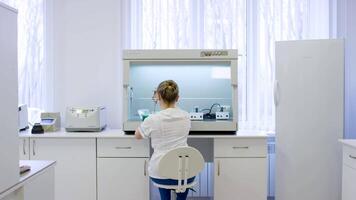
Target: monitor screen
{"x":47,"y":121}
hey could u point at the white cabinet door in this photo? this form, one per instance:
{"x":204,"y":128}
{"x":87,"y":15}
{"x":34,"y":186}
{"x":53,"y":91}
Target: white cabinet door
{"x":348,"y":183}
{"x":75,"y":173}
{"x":41,"y":187}
{"x":240,"y":179}
{"x":24,"y":148}
{"x":123,"y":178}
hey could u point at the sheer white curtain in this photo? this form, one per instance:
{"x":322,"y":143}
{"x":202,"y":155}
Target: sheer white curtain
{"x":250,"y":26}
{"x":189,"y":24}
{"x":275,"y":21}
{"x":31,"y":61}
{"x":171,"y":24}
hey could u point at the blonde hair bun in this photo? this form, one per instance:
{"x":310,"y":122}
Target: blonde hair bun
{"x":169,"y":91}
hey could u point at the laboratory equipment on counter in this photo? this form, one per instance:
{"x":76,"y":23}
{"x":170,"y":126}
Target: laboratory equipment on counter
{"x":143,"y":113}
{"x":210,"y":114}
{"x":196,"y":115}
{"x":37,"y":129}
{"x":222,"y":115}
{"x":51,"y":121}
{"x":85,"y":119}
{"x":24,"y":168}
{"x":23,"y":117}
{"x":204,"y":77}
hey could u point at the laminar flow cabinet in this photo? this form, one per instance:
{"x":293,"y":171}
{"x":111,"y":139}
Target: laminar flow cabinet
{"x":207,"y":81}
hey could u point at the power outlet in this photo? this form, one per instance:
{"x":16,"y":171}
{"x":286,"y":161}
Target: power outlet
{"x":222,"y":115}
{"x":196,"y":116}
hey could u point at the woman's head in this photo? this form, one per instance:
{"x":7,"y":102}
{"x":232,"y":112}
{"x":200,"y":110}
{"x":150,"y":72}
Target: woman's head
{"x":168,"y":92}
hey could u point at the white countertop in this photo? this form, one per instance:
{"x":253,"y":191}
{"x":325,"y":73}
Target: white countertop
{"x":349,"y":142}
{"x":118,"y":133}
{"x":37,"y":168}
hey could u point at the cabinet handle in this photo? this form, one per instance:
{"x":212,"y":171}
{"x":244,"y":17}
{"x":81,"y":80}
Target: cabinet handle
{"x":144,"y":168}
{"x":24,"y":146}
{"x":276,"y":93}
{"x":244,"y":147}
{"x":33,"y":147}
{"x":123,"y":147}
{"x":353,"y":157}
{"x":218,"y":167}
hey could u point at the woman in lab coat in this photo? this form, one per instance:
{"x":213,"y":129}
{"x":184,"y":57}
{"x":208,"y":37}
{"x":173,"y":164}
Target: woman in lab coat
{"x":168,"y":129}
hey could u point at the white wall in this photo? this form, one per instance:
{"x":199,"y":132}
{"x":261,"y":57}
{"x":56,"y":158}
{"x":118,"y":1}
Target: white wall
{"x":87,"y":55}
{"x":346,"y":28}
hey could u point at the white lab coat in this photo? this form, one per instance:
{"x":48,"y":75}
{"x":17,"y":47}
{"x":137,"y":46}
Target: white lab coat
{"x":168,"y":129}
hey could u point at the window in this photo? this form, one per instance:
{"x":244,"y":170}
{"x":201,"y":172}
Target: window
{"x":31,"y":61}
{"x":252,"y":27}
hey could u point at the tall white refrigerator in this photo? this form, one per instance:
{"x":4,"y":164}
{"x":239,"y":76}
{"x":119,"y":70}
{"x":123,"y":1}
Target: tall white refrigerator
{"x":9,"y":147}
{"x":309,"y":99}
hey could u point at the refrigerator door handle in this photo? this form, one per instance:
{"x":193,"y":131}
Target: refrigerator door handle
{"x":276,"y":92}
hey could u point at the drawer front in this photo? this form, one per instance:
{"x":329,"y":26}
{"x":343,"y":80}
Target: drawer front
{"x":126,"y":147}
{"x":231,"y":148}
{"x":349,"y":156}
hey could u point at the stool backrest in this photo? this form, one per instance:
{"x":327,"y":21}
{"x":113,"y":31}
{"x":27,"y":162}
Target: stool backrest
{"x":181,"y":163}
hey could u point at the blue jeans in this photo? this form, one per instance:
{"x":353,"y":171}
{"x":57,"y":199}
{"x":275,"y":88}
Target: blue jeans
{"x":166,"y":193}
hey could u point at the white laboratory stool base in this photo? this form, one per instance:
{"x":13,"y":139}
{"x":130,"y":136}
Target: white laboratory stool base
{"x":175,"y":187}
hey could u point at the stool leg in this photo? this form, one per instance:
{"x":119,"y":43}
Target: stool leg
{"x":173,"y":195}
